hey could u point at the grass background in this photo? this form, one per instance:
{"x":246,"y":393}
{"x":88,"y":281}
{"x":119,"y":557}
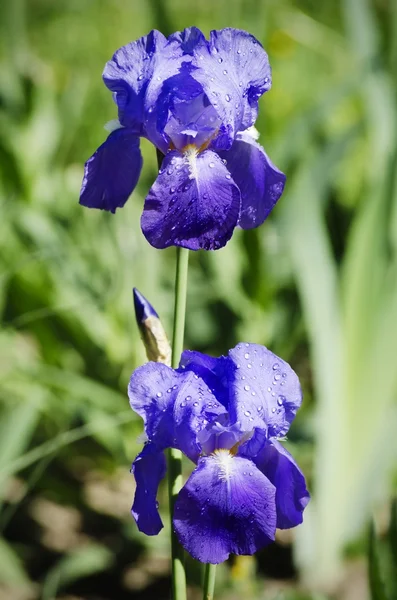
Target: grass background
{"x":317,"y":283}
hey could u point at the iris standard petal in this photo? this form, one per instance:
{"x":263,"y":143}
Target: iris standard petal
{"x":128,"y":73}
{"x":265,"y":391}
{"x":148,"y":468}
{"x":214,"y":371}
{"x":112,"y":172}
{"x":227,"y":506}
{"x":260,"y":182}
{"x":291,"y":492}
{"x":174,"y":406}
{"x":193,"y":203}
{"x":234,"y":71}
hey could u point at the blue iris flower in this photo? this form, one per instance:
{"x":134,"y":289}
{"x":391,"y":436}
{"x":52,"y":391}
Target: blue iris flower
{"x":197,"y":102}
{"x":226,"y":415}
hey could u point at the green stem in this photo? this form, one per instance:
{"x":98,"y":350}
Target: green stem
{"x":209,"y":581}
{"x":175,"y":456}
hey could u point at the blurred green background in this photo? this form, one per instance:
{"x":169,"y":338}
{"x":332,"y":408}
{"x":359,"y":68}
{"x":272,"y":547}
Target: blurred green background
{"x":317,"y":283}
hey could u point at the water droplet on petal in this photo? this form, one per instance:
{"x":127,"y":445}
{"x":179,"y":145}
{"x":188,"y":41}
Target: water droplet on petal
{"x":246,"y":387}
{"x":195,"y":403}
{"x":228,"y":98}
{"x":246,"y":355}
{"x":159,"y":394}
{"x":247,"y":413}
{"x":273,"y":410}
{"x":220,"y":60}
{"x":275,"y":366}
{"x":239,"y":51}
{"x":225,"y":72}
{"x":228,"y":176}
{"x":249,"y":366}
{"x":211,"y":165}
{"x":280,"y":400}
{"x":188,"y":398}
{"x":140,"y":77}
{"x":169,"y":390}
{"x":253,"y":394}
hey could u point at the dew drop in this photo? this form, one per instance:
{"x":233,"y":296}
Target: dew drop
{"x":188,"y":398}
{"x":228,"y":97}
{"x":159,"y":394}
{"x":273,"y":410}
{"x":140,"y":77}
{"x":195,"y":403}
{"x":228,"y":176}
{"x":280,"y":400}
{"x":247,"y":413}
{"x":269,"y":389}
{"x":246,"y":387}
{"x":246,"y":355}
{"x":169,"y":390}
{"x":183,"y":404}
{"x":284,"y":375}
{"x":249,"y":366}
{"x":205,"y":195}
{"x":172,"y":190}
{"x":238,"y":51}
{"x":277,"y":377}
{"x":237,"y":366}
{"x":275,"y":366}
{"x":225,"y":72}
{"x":253,"y":394}
{"x":211,"y":165}
{"x":220,"y":60}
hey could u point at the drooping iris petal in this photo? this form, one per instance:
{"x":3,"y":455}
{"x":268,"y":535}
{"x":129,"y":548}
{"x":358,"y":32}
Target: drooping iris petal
{"x":226,"y":506}
{"x":112,"y":172}
{"x":174,"y":406}
{"x":234,"y":71}
{"x":148,"y":468}
{"x":193,"y":203}
{"x":260,"y":182}
{"x":214,"y":371}
{"x":265,"y":391}
{"x":128,"y":73}
{"x":291,"y":492}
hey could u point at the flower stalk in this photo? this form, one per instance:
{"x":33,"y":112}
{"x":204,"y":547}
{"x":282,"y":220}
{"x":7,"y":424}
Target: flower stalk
{"x":175,"y":456}
{"x":209,"y":581}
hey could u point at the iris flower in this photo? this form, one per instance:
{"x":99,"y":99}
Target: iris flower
{"x":197,"y":102}
{"x":226,"y":415}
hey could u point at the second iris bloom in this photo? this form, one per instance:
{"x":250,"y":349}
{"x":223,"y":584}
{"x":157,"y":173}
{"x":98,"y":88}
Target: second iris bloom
{"x":227,"y":415}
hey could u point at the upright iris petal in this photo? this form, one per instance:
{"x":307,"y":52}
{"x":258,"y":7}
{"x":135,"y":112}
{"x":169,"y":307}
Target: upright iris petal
{"x":219,"y":412}
{"x":194,"y":100}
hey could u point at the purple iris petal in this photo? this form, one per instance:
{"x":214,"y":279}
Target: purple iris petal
{"x":234,"y":71}
{"x":175,"y":406}
{"x":260,"y":182}
{"x":127,"y":75}
{"x":291,"y":493}
{"x":226,"y":506}
{"x":265,"y":391}
{"x":149,"y":469}
{"x":214,"y":371}
{"x":112,"y":172}
{"x":193,"y":203}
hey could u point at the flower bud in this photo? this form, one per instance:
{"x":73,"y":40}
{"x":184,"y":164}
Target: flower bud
{"x":153,"y":335}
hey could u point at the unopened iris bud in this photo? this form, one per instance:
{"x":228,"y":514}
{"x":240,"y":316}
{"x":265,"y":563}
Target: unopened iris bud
{"x":153,"y":335}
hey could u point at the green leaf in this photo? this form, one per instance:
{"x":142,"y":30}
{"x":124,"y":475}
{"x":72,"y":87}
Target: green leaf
{"x":11,"y":569}
{"x":376,"y":582}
